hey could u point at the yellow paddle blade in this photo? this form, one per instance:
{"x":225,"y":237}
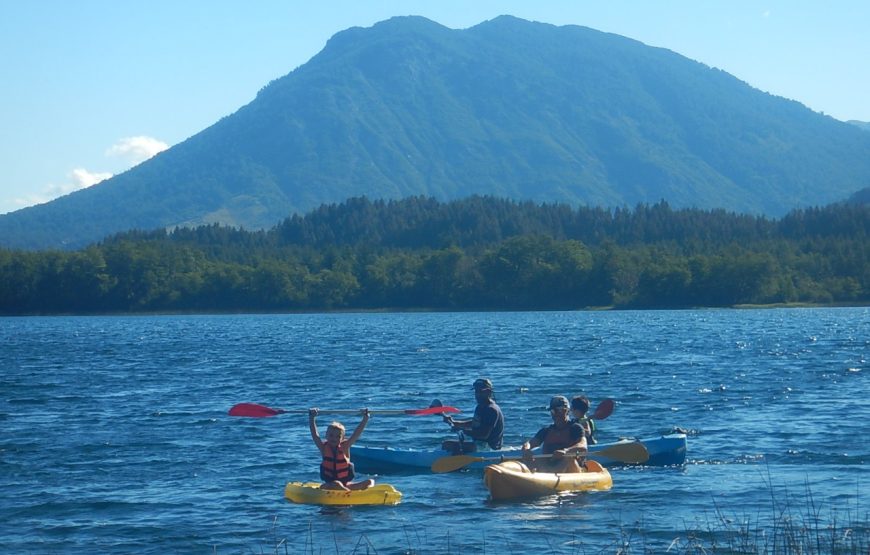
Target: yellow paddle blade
{"x":449,"y":464}
{"x":628,"y":453}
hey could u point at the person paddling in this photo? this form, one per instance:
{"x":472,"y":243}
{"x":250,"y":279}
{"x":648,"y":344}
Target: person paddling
{"x":563,"y":439}
{"x":485,"y":427}
{"x":336,"y":470}
{"x":579,"y":409}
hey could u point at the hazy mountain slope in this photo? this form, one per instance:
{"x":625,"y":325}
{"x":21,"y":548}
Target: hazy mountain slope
{"x":507,"y":108}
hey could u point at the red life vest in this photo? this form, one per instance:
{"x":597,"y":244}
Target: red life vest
{"x":336,"y":465}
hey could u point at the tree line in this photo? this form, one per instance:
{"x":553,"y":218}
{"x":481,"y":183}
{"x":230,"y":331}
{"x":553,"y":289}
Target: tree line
{"x":478,"y":253}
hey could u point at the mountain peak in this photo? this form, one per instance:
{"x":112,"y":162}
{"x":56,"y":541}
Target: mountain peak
{"x":413,"y":25}
{"x":508,"y":108}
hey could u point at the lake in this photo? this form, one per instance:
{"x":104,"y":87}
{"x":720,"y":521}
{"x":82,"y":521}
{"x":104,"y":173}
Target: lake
{"x":115,"y":435}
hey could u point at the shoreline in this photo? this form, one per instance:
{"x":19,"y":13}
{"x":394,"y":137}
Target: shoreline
{"x":387,"y":310}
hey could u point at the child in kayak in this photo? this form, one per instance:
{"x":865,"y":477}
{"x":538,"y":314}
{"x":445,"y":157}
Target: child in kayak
{"x":336,"y":470}
{"x":579,"y":408}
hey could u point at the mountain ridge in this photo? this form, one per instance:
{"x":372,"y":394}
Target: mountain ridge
{"x":511,"y":108}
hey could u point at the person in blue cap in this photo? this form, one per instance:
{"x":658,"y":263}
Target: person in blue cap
{"x":562,"y":441}
{"x":486,"y":426}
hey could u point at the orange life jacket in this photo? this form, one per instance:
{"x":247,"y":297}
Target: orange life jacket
{"x":336,"y":465}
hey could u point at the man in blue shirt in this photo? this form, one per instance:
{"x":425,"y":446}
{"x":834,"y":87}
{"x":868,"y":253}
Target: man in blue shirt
{"x":487,"y":425}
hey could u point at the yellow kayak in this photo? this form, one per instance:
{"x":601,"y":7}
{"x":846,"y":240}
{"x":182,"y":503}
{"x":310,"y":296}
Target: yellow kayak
{"x":513,"y":479}
{"x":310,"y":493}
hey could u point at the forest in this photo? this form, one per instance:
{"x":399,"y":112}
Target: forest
{"x":477,"y":253}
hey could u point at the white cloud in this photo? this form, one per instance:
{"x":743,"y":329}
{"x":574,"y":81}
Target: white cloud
{"x":80,"y":178}
{"x":83,"y":178}
{"x":137,"y":149}
{"x":133,"y":150}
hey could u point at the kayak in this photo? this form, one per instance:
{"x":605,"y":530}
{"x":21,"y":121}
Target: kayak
{"x":513,"y":480}
{"x":310,"y":493}
{"x":667,"y":450}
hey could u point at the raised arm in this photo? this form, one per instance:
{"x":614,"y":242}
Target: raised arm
{"x":359,"y":429}
{"x":312,"y":425}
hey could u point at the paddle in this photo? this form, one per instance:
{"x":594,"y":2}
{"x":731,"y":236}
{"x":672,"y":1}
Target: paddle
{"x":254,"y":410}
{"x":604,"y":409}
{"x":629,"y":453}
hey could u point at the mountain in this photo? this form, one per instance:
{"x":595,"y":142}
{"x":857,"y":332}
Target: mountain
{"x":860,"y":197}
{"x":860,"y":124}
{"x":508,"y":108}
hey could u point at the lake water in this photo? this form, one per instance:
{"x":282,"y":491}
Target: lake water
{"x":115,"y":437}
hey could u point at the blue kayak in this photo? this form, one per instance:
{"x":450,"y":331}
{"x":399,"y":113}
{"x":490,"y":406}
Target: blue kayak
{"x":667,"y":450}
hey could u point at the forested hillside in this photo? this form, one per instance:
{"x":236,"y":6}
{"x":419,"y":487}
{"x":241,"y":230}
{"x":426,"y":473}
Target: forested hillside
{"x":477,"y":253}
{"x":507,"y":108}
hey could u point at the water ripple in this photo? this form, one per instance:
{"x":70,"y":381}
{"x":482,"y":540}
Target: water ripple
{"x":116,"y":438}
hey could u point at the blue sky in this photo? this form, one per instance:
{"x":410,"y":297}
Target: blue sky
{"x":92,"y":87}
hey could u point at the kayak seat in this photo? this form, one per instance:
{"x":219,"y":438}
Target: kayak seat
{"x":593,"y":466}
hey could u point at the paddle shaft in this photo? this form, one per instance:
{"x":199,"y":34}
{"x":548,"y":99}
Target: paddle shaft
{"x":353,"y":411}
{"x":254,"y":410}
{"x":602,"y":411}
{"x":629,"y":453}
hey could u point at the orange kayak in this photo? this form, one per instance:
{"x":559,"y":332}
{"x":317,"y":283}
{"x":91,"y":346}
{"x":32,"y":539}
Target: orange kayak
{"x":513,"y":479}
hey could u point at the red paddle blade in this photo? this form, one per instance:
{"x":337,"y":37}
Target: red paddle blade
{"x":432,"y":410}
{"x":254,"y":410}
{"x":604,"y":409}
